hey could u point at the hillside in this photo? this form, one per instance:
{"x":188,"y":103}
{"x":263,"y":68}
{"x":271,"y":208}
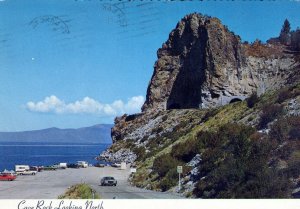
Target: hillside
{"x":94,"y":134}
{"x":227,"y":111}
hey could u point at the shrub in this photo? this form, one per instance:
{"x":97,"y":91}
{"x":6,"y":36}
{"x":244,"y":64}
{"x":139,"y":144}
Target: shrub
{"x":250,"y":118}
{"x":293,"y":169}
{"x":79,"y":191}
{"x":286,"y":129}
{"x":284,"y":95}
{"x":235,"y":165}
{"x":140,"y":152}
{"x":185,"y":151}
{"x":169,"y":181}
{"x":162,"y":164}
{"x":280,"y":130}
{"x":269,"y":113}
{"x":209,"y":114}
{"x":294,"y":122}
{"x":252,"y":100}
{"x":157,"y":130}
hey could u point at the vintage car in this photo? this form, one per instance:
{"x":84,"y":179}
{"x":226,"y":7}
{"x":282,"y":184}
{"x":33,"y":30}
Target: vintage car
{"x":108,"y":180}
{"x":28,"y":172}
{"x":7,"y":177}
{"x":99,"y":165}
{"x":50,"y":168}
{"x":73,"y":165}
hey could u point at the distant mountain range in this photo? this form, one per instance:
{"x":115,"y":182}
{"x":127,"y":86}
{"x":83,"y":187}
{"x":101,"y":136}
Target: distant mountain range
{"x":95,"y":134}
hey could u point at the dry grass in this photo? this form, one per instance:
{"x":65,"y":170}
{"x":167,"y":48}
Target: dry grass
{"x":257,"y":49}
{"x":79,"y":191}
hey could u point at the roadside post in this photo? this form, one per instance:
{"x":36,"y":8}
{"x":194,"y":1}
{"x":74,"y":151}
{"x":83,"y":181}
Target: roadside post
{"x":179,"y":171}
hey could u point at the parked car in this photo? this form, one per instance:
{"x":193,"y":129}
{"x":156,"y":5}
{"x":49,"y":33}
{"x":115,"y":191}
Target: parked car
{"x":99,"y":165}
{"x":50,"y":168}
{"x":72,"y":165}
{"x":108,"y":180}
{"x":82,"y":164}
{"x":28,"y":172}
{"x":116,"y":165}
{"x":36,"y":168}
{"x":11,"y":172}
{"x":7,"y":177}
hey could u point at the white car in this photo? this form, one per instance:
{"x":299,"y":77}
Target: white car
{"x":82,"y":164}
{"x":28,"y":172}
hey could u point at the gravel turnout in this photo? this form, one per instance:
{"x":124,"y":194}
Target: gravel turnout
{"x":51,"y":184}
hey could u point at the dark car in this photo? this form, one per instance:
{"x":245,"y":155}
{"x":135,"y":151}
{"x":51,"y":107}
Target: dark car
{"x":108,"y":181}
{"x":99,"y":165}
{"x":73,"y":165}
{"x":49,"y":168}
{"x":36,"y":168}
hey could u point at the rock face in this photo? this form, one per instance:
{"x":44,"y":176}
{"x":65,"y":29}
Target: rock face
{"x":203,"y":64}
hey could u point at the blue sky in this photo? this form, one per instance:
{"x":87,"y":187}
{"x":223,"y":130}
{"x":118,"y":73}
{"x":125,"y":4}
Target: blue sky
{"x":69,"y":64}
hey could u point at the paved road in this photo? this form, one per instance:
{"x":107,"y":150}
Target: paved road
{"x":51,"y":184}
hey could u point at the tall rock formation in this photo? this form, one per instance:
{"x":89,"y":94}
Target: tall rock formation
{"x":203,"y":64}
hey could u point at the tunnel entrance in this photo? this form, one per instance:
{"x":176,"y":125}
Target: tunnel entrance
{"x":235,"y":100}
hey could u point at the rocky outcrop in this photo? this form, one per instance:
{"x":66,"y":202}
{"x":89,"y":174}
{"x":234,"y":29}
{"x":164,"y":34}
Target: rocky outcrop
{"x":203,"y":64}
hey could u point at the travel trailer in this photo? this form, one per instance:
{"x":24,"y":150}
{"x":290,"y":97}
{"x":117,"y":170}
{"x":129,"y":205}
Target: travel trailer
{"x":21,"y":168}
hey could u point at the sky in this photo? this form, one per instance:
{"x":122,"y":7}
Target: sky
{"x":76,"y":63}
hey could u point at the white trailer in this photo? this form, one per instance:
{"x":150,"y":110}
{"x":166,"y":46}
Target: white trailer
{"x":21,"y":168}
{"x":62,"y":165}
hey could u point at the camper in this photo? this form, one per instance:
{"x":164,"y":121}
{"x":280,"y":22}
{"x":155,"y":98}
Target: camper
{"x":82,"y":164}
{"x":21,"y":168}
{"x":62,"y":165}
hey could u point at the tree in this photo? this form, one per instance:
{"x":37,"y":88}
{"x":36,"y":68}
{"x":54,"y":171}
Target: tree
{"x":295,"y":39}
{"x":285,"y":36}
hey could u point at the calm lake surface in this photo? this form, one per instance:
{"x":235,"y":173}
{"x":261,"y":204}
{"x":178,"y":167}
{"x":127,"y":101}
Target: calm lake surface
{"x":39,"y":154}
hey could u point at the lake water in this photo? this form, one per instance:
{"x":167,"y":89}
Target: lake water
{"x":38,"y":154}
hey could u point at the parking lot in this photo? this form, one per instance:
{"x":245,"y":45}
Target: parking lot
{"x":51,"y":184}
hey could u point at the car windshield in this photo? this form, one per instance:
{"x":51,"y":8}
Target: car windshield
{"x":109,"y":178}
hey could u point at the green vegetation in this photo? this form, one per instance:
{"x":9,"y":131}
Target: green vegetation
{"x":287,"y":93}
{"x":236,"y":160}
{"x":80,"y":191}
{"x":252,"y":100}
{"x":269,"y":113}
{"x":166,"y":167}
{"x":235,"y":165}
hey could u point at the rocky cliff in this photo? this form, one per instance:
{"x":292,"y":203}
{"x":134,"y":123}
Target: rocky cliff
{"x":203,"y":64}
{"x":202,"y":70}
